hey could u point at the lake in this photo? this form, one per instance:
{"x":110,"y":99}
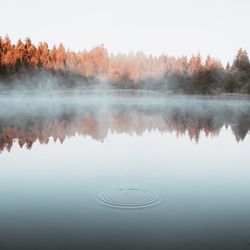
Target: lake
{"x":124,"y":170}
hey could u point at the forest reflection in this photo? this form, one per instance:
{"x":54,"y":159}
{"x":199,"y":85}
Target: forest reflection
{"x":96,"y":122}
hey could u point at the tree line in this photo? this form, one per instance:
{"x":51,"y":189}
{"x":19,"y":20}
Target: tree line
{"x":127,"y":71}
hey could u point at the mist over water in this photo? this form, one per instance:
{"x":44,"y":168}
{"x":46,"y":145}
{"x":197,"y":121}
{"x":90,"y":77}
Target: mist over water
{"x":32,"y":115}
{"x":123,"y":169}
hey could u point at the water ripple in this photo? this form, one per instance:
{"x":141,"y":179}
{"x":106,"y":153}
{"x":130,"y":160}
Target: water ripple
{"x":129,"y":197}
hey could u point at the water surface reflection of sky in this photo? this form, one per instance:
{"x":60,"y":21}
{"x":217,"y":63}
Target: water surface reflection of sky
{"x":195,"y":159}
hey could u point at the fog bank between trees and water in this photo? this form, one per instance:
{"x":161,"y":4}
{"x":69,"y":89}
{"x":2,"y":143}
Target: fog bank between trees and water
{"x":24,"y":66}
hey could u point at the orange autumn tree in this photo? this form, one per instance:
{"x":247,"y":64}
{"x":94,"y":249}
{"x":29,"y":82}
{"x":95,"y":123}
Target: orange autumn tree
{"x":134,"y":70}
{"x":91,"y":63}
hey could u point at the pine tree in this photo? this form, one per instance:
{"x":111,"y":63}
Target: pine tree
{"x":8,"y":52}
{"x":53,"y":57}
{"x":43,"y":49}
{"x":61,"y":58}
{"x":19,"y":53}
{"x":241,"y":61}
{"x":194,"y":64}
{"x":1,"y":52}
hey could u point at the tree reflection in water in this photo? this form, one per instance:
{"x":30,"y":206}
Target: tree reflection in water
{"x":96,"y":121}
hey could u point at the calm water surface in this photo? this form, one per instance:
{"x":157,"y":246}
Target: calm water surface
{"x":185,"y":161}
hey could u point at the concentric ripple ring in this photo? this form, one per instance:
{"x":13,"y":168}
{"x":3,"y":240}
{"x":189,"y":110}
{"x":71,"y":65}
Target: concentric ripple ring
{"x":129,"y":197}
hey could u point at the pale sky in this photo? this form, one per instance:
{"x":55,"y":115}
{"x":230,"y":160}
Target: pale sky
{"x":175,"y":27}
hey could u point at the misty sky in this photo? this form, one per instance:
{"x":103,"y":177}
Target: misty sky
{"x":176,"y":27}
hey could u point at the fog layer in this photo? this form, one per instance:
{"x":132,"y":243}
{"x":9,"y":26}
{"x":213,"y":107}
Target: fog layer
{"x":28,"y":118}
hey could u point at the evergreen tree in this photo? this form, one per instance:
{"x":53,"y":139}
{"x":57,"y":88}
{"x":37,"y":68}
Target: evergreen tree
{"x":194,"y":64}
{"x":241,"y":61}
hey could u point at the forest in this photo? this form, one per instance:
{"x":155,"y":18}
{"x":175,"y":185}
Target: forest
{"x":23,"y":63}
